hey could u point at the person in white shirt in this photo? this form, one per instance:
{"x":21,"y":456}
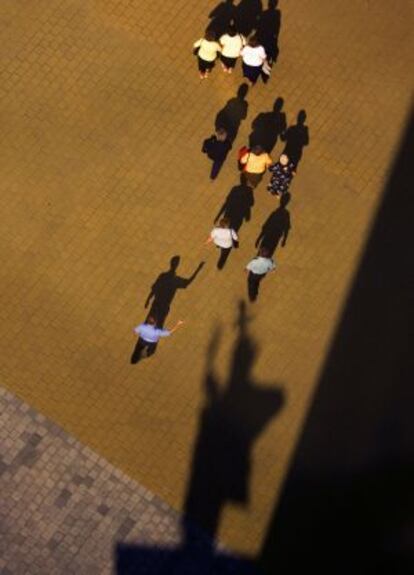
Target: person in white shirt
{"x":254,"y":56}
{"x":224,"y":238}
{"x":231,"y":46}
{"x":207,"y":50}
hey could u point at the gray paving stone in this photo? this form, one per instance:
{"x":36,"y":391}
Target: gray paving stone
{"x":71,"y":514}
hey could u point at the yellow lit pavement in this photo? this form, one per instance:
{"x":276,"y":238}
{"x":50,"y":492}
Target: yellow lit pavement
{"x":103,"y":182}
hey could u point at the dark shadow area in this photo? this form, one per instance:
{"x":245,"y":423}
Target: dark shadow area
{"x":276,"y":228}
{"x":268,"y":30}
{"x":247,"y":16}
{"x":237,"y":206}
{"x":221,"y":17}
{"x":296,"y":138}
{"x":347,"y":505}
{"x":231,"y":116}
{"x":233,"y":416}
{"x":161,"y":295}
{"x":268,"y":126}
{"x":193,"y":560}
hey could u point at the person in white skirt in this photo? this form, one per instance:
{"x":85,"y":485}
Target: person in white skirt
{"x":231,"y":46}
{"x":224,"y":238}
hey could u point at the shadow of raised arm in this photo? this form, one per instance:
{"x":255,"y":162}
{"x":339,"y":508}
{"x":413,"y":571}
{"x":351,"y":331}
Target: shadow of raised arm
{"x":151,"y":296}
{"x":221,"y":211}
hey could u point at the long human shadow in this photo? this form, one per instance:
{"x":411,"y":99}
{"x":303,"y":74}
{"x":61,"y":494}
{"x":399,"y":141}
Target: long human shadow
{"x":161,"y":296}
{"x":231,"y":116}
{"x":276,"y":228}
{"x":247,"y":16}
{"x":296,"y":138}
{"x":237,"y":206}
{"x":268,"y":126}
{"x":221,"y":17}
{"x":234,"y":414}
{"x":164,"y":288}
{"x":347,"y":505}
{"x":268,"y":30}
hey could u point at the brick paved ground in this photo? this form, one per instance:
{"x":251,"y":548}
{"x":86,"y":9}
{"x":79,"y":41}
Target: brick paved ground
{"x":66,"y":510}
{"x":103,"y":116}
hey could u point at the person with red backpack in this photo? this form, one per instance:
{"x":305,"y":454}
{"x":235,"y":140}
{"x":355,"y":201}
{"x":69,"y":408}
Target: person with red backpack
{"x":254,"y":164}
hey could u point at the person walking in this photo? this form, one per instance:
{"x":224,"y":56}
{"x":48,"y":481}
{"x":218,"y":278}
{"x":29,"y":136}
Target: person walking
{"x":231,"y":45}
{"x":217,"y":147}
{"x":224,"y":238}
{"x":282,"y":175}
{"x":257,"y":268}
{"x":254,"y":164}
{"x":149,"y":335}
{"x":207,"y":50}
{"x":254,"y":57}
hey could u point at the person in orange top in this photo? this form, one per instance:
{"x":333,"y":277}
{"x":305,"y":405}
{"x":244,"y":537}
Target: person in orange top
{"x":255,"y":162}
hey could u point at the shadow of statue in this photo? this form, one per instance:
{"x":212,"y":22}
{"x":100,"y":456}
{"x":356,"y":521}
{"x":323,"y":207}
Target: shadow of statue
{"x":221,"y":17}
{"x":231,"y":116}
{"x":268,"y":29}
{"x":268,"y":126}
{"x":164,"y":288}
{"x":247,"y":16}
{"x":233,"y":417}
{"x":237,"y":206}
{"x":276,"y":228}
{"x":296,"y":138}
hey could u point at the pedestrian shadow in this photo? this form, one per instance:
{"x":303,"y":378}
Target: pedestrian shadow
{"x":247,"y":16}
{"x":268,"y":126}
{"x":231,"y":116}
{"x":276,"y":228}
{"x":237,"y":206}
{"x":162,"y":294}
{"x":296,"y":138}
{"x":268,"y":30}
{"x":234,"y":414}
{"x":221,"y":17}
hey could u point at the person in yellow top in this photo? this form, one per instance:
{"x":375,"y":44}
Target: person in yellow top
{"x":255,"y":162}
{"x":207,"y":50}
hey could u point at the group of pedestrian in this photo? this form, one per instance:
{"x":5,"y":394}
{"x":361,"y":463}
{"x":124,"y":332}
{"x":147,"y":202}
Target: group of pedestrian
{"x":254,"y":164}
{"x":240,"y":31}
{"x":233,"y":42}
{"x":229,"y":48}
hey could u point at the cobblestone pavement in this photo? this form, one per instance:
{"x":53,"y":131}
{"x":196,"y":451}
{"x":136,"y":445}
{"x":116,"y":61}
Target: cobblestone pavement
{"x":103,"y":116}
{"x":64,"y":509}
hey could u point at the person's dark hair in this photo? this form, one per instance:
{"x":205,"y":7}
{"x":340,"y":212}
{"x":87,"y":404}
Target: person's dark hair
{"x":254,"y":42}
{"x":151,"y":320}
{"x":210,"y":36}
{"x":264,"y":252}
{"x":224,"y":223}
{"x":257,"y":150}
{"x":232,"y":30}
